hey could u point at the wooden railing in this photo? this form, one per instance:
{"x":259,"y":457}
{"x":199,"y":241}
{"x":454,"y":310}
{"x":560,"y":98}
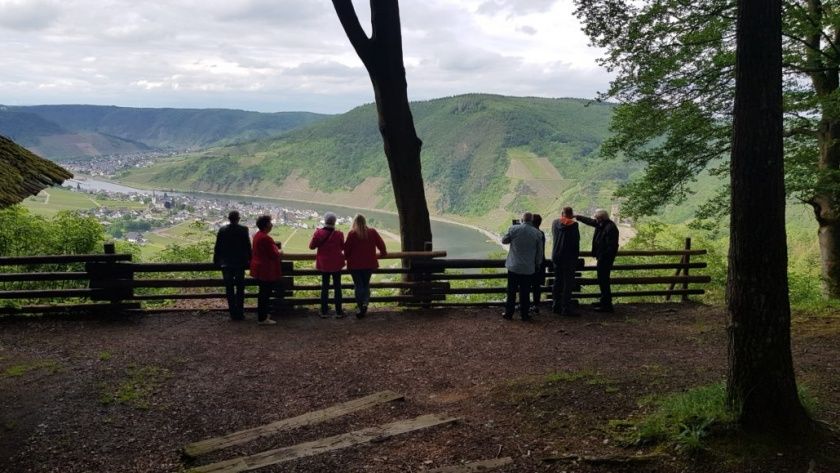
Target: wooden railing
{"x":112,"y":282}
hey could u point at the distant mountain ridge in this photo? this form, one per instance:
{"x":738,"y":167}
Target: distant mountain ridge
{"x":482,"y":155}
{"x":71,"y":131}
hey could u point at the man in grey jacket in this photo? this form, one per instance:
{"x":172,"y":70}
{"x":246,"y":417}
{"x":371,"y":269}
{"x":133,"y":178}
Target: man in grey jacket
{"x":522,"y":261}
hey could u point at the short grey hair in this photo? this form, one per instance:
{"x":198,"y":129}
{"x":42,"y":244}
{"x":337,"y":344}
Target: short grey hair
{"x":329,"y":219}
{"x":601,"y":213}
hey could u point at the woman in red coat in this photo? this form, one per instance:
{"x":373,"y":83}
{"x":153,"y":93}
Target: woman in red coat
{"x":265,"y":267}
{"x":329,"y":260}
{"x":360,"y":251}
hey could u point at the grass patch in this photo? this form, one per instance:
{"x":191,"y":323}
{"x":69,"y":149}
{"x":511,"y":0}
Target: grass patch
{"x":104,"y":356}
{"x":20,"y":369}
{"x":687,"y":420}
{"x":137,"y":388}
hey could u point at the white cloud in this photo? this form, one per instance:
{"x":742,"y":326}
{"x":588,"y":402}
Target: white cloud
{"x":275,"y":55}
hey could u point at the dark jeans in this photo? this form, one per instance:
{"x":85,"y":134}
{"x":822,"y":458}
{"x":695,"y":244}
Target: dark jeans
{"x":264,"y":297}
{"x":603,"y":267}
{"x":518,"y":283}
{"x":564,"y":284}
{"x":235,"y":290}
{"x":325,"y":291}
{"x":361,"y":283}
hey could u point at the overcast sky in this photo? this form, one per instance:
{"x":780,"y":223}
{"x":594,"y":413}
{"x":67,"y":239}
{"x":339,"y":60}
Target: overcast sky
{"x":281,"y":55}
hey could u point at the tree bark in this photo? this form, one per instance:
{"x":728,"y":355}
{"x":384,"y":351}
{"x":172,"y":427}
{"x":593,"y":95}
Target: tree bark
{"x":382,"y":56}
{"x":761,"y":386}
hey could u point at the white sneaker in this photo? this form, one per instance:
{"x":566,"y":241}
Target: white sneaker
{"x":266,"y":322}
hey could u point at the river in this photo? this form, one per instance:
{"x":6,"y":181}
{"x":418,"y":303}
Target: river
{"x":459,"y":241}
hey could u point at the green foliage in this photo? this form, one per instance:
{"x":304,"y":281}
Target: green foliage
{"x":674,"y":63}
{"x":683,"y":420}
{"x":24,"y":234}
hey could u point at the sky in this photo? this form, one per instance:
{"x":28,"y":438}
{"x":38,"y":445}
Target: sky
{"x":282,"y":55}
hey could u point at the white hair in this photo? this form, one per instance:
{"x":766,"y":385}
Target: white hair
{"x":601,"y":213}
{"x":329,"y":219}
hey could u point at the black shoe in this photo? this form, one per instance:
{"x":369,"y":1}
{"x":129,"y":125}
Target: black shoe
{"x":507,"y":316}
{"x":605,"y":309}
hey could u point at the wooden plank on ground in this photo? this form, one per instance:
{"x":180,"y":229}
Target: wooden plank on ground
{"x":315,"y":447}
{"x":309,"y":418}
{"x":483,"y":465}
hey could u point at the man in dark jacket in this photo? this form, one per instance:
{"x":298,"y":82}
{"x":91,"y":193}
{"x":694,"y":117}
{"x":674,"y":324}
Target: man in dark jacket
{"x":233,"y":253}
{"x":604,"y":247}
{"x":564,"y":255}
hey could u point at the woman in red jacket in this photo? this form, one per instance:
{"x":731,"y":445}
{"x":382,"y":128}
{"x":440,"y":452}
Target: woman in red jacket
{"x":329,"y":260}
{"x":360,"y":251}
{"x":265,"y":267}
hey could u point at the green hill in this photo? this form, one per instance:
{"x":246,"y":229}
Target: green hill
{"x":70,"y":131}
{"x":480,"y":153}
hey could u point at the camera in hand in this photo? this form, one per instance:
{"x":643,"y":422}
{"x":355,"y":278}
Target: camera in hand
{"x":516,"y":221}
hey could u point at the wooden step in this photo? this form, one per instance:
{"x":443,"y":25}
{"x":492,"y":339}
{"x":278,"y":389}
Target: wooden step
{"x":236,"y":438}
{"x":315,"y":447}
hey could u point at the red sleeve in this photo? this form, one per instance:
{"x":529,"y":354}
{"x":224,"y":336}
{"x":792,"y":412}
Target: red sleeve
{"x":314,"y":239}
{"x":380,"y":244}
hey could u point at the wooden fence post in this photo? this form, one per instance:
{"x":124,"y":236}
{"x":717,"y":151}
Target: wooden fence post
{"x":108,"y":275}
{"x":686,"y":260}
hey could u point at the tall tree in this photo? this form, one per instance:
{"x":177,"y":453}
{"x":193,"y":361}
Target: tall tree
{"x":674,"y":63}
{"x":761,"y":384}
{"x":382,"y":56}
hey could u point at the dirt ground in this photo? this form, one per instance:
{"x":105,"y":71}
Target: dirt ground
{"x":81,"y":395}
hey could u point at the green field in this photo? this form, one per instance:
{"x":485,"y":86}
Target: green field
{"x":55,"y":199}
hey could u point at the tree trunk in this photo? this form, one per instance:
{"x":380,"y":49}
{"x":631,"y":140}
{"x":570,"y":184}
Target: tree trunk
{"x":761,"y":386}
{"x":382,"y":56}
{"x":827,"y":209}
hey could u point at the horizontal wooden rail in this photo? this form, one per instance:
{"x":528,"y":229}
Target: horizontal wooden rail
{"x":648,"y":280}
{"x":45,"y":276}
{"x":49,"y":293}
{"x":61,"y":259}
{"x":394,"y":255}
{"x":54,"y":308}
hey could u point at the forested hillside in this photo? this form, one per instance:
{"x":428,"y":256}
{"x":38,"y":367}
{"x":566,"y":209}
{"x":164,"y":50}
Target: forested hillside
{"x":480,"y":153}
{"x":70,"y":131}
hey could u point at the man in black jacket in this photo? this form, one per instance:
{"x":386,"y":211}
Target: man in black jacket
{"x":233,"y":253}
{"x":565,"y":252}
{"x":604,"y":247}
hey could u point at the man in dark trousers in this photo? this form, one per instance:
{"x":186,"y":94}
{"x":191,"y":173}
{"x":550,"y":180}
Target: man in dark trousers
{"x":233,"y":253}
{"x":604,"y":247}
{"x":522,"y":260}
{"x":565,"y":252}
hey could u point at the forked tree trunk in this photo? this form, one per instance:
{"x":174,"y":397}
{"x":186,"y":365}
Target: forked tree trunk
{"x":382,"y":56}
{"x":761,"y":385}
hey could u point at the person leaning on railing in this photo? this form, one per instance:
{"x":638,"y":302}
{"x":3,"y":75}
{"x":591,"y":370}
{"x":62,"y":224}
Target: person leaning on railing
{"x":605,"y":248}
{"x":232,"y":252}
{"x":265,"y":267}
{"x":360,"y":251}
{"x":329,"y":260}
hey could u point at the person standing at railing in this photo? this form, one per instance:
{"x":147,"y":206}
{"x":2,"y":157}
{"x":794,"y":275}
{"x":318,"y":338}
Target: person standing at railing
{"x":329,"y":260}
{"x":232,"y":253}
{"x":265,"y":267}
{"x":604,"y":248}
{"x":539,"y":274}
{"x":565,"y":251}
{"x":522,"y":260}
{"x":360,"y":251}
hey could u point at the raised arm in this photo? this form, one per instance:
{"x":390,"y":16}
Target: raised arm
{"x":589,"y":221}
